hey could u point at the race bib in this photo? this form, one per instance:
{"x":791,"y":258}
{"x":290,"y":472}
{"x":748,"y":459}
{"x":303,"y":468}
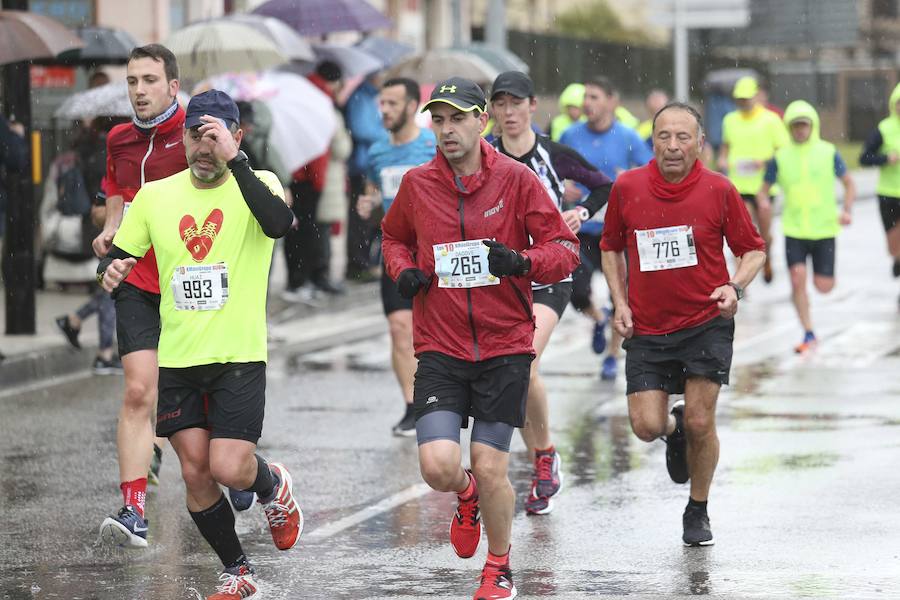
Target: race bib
{"x":200,"y":287}
{"x":391,"y":178}
{"x":746,"y":168}
{"x":666,"y":248}
{"x":463,"y":265}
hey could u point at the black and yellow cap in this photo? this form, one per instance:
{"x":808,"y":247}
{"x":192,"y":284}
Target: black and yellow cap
{"x":459,"y":93}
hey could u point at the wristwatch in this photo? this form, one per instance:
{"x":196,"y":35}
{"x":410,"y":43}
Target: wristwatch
{"x":737,"y":289}
{"x":583,"y":213}
{"x":241,"y":157}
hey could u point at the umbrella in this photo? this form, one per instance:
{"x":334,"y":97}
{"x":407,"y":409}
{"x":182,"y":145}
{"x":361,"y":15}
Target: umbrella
{"x":319,"y":17}
{"x":26,"y":36}
{"x":291,"y":43}
{"x":110,"y":100}
{"x":102,"y":45}
{"x":440,"y":64}
{"x":501,"y":58}
{"x":352,"y":60}
{"x":303,"y":120}
{"x":214,"y":47}
{"x":384,"y":49}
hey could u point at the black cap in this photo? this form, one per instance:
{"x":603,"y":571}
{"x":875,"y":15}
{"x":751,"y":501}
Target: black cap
{"x":514,"y":83}
{"x":459,"y":93}
{"x":213,"y":103}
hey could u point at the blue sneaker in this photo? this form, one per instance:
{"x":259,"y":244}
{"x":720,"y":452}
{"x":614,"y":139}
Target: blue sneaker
{"x":128,"y":529}
{"x":610,"y":368}
{"x":241,"y":500}
{"x":599,"y":342}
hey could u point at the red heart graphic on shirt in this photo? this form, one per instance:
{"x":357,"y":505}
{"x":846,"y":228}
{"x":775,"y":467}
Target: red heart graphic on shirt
{"x":200,"y":241}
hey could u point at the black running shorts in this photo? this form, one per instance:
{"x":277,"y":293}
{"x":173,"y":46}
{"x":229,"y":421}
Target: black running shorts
{"x":137,"y":319}
{"x":555,"y":296}
{"x":228,"y":399}
{"x":821,"y":251}
{"x":890,"y":211}
{"x":664,"y":362}
{"x":488,"y":390}
{"x":391,"y":300}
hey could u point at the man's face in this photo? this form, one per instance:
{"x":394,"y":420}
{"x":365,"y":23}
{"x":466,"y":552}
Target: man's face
{"x":574,"y":112}
{"x":655,"y":102}
{"x":148,"y":90}
{"x":458,"y":133}
{"x":801,"y":130}
{"x":396,"y":108}
{"x":513,"y":114}
{"x":677,"y":142}
{"x":745,"y":104}
{"x":201,"y":158}
{"x":598,"y":105}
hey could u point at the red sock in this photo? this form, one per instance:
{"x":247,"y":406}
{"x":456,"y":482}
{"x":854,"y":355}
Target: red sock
{"x":470,"y":489}
{"x":135,"y":494}
{"x":498,"y":561}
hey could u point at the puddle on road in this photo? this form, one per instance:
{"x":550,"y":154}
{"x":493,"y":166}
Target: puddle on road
{"x":788,"y":462}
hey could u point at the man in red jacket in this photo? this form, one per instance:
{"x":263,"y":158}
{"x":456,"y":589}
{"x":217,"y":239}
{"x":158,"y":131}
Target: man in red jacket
{"x":466,"y":235}
{"x":147,"y":149}
{"x":671,"y":217}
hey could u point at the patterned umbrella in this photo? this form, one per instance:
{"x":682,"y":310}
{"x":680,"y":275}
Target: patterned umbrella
{"x":110,"y":100}
{"x":319,"y":17}
{"x":26,"y":36}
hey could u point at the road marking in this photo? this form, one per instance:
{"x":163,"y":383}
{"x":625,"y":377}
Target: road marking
{"x":402,"y":497}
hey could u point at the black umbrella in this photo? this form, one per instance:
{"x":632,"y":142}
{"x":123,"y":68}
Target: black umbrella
{"x":102,"y":46}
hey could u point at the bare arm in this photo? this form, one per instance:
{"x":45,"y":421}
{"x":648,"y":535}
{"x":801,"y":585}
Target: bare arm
{"x":722,"y":161}
{"x":849,"y":198}
{"x":115,"y":205}
{"x":614,"y":271}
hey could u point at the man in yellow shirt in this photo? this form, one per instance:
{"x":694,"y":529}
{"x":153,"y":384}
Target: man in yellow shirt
{"x":750,"y":136}
{"x":213,"y":227}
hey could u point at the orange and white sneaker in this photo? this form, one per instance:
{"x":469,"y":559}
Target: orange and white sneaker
{"x":283,"y":514}
{"x":236,"y":583}
{"x":496,"y":583}
{"x":809,"y":343}
{"x":465,"y":526}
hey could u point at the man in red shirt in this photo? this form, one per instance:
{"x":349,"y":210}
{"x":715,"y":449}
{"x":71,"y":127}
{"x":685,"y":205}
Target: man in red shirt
{"x":671,"y":217}
{"x":147,"y":149}
{"x":466,"y":235}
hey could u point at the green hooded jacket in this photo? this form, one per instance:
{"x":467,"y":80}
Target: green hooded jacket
{"x":573,"y":95}
{"x":806,"y":172}
{"x":889,"y":176}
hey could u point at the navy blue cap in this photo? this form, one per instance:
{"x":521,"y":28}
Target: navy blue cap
{"x":213,"y":103}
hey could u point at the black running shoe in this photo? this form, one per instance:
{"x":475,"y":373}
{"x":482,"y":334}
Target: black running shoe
{"x":65,"y":326}
{"x":896,"y":268}
{"x":697,"y":531}
{"x":676,"y":447}
{"x":407,"y":425}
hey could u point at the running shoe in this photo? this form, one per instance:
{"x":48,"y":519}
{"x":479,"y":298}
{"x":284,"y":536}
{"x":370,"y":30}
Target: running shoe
{"x":112,"y":366}
{"x":598,"y":343}
{"x":610,"y":368}
{"x":284,"y":516}
{"x":496,"y":582}
{"x":767,"y":270}
{"x":236,"y":583}
{"x":896,"y":268}
{"x":465,"y":526}
{"x":697,"y":531}
{"x":676,"y":447}
{"x":155,"y":466}
{"x":241,"y":500}
{"x":65,"y":326}
{"x":128,"y":529}
{"x":809,"y":342}
{"x":546,"y":484}
{"x":407,"y":425}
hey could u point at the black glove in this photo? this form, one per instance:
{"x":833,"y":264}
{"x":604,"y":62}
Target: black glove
{"x":411,"y":281}
{"x":503,"y":262}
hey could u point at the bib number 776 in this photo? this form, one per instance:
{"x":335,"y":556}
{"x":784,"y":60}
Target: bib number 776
{"x":666,"y":248}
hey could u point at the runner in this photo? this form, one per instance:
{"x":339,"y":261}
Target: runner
{"x":750,"y":136}
{"x":806,"y":169}
{"x":513,"y":105}
{"x":670,"y":217}
{"x":449,"y":245}
{"x":147,"y":149}
{"x":212,"y":226}
{"x":388,"y":160}
{"x":612,"y":148}
{"x":882,"y":149}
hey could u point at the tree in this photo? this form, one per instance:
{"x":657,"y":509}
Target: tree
{"x":597,"y":21}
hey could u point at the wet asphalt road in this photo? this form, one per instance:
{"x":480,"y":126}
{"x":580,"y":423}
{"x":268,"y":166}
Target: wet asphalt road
{"x":804,"y":504}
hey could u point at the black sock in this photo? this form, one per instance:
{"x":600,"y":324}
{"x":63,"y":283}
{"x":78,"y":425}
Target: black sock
{"x":216,"y":524}
{"x":264,"y":485}
{"x":157,"y":451}
{"x":409,"y":410}
{"x":697,"y":504}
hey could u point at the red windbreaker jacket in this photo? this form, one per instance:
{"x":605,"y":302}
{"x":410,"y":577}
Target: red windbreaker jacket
{"x":134,"y":157}
{"x":504,"y":201}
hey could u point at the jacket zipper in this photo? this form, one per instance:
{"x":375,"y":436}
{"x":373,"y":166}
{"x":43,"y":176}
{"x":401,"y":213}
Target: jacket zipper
{"x":146,"y":156}
{"x":462,"y":232}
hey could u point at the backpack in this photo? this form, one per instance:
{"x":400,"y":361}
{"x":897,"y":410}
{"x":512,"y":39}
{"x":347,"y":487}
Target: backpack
{"x":73,"y":197}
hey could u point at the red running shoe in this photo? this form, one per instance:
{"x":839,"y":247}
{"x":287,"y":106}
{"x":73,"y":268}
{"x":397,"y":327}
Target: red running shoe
{"x":284,"y":516}
{"x":496,"y":583}
{"x":236,"y":584}
{"x":465,"y":527}
{"x":546,"y":484}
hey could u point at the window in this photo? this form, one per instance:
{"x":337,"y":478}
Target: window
{"x":884,"y":9}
